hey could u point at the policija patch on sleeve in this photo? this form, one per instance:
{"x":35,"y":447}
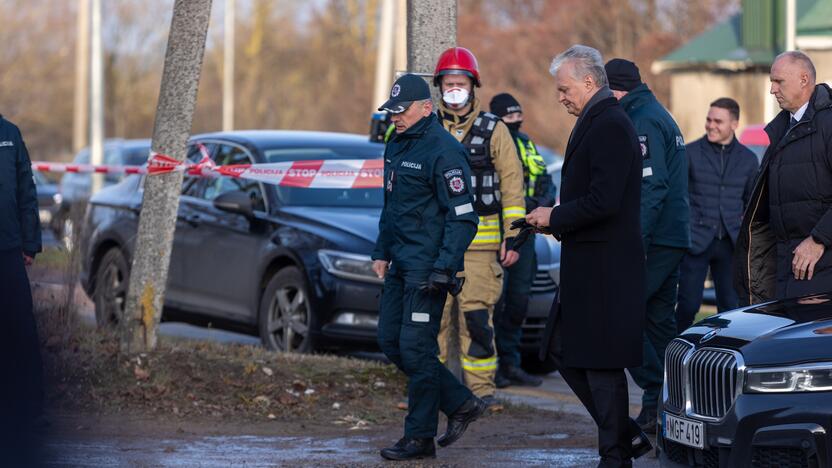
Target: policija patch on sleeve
{"x":642,"y":143}
{"x":455,"y":182}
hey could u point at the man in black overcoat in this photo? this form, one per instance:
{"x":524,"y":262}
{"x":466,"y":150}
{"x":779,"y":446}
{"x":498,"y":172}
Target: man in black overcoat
{"x":595,"y":328}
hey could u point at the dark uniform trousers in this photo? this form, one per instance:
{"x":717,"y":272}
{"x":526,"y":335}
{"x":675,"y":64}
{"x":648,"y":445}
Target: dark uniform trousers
{"x":21,"y":385}
{"x":408,"y":328}
{"x":660,"y":327}
{"x":692,"y":275}
{"x":511,"y":311}
{"x":604,"y":394}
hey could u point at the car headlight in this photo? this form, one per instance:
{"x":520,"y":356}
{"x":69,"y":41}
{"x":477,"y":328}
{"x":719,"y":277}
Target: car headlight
{"x":816,"y":377}
{"x":349,"y":266}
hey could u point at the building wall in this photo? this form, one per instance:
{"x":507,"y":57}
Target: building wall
{"x":823,"y":64}
{"x":692,"y":91}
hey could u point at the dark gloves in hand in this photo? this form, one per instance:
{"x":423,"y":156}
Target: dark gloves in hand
{"x":526,"y":230}
{"x":443,"y":281}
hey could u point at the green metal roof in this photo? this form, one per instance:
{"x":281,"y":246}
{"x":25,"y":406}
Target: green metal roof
{"x":816,"y":21}
{"x":725,"y":47}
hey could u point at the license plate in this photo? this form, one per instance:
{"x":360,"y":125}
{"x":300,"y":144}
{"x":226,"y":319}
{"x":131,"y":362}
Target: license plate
{"x":684,"y":431}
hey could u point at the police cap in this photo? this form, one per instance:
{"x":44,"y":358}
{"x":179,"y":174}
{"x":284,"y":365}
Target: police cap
{"x":405,"y":90}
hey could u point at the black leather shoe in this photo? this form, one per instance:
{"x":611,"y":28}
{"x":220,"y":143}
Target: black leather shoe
{"x":410,"y":449}
{"x":458,"y":422}
{"x":641,"y":443}
{"x":518,"y":376}
{"x":501,"y":381}
{"x":647,"y":420}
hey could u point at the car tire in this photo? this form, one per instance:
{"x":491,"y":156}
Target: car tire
{"x":112,"y":278}
{"x":285,"y":315}
{"x":531,"y":364}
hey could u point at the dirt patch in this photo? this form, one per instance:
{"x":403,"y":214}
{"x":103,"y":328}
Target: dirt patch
{"x":214,"y":404}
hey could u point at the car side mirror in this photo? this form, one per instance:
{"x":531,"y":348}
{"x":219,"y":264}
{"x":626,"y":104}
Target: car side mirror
{"x":235,"y":201}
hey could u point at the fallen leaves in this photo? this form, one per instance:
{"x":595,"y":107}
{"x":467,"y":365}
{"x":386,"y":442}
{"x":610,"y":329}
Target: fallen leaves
{"x":141,"y":374}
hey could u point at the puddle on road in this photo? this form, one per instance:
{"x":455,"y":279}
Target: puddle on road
{"x":223,"y":451}
{"x":255,"y":451}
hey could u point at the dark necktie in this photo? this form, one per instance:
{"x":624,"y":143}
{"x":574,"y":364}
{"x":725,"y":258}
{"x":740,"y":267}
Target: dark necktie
{"x":792,"y":122}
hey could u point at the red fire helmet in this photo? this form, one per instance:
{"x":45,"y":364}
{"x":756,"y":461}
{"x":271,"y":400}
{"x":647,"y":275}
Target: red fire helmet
{"x":457,"y":61}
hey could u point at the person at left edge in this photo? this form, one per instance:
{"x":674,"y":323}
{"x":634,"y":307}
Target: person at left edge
{"x":665,"y":221}
{"x":426,"y":224}
{"x":21,"y":389}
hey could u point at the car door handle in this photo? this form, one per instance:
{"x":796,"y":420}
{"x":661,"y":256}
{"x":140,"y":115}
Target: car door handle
{"x":192,"y":220}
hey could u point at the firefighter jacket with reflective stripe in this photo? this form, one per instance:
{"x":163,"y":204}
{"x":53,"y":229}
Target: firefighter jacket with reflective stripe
{"x":507,"y":181}
{"x":540,"y":191}
{"x":428,"y":219}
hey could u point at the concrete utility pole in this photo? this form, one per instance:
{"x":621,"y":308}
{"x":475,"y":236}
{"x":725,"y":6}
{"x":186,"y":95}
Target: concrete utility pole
{"x":431,"y":29}
{"x":97,"y":93}
{"x":228,"y":67}
{"x":157,"y":221}
{"x":400,"y":53}
{"x":384,"y":57}
{"x":82,"y":73}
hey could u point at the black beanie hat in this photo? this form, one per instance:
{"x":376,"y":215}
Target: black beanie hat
{"x":622,"y":74}
{"x":504,"y":104}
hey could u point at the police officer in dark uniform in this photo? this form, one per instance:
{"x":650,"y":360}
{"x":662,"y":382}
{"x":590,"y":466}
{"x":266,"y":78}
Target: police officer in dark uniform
{"x":21,"y":392}
{"x":511,"y":311}
{"x":665,"y":221}
{"x":426,"y":224}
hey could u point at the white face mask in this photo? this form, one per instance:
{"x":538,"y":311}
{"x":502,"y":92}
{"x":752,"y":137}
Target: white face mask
{"x":455,"y":97}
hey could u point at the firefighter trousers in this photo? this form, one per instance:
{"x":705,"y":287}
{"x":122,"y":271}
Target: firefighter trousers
{"x":480,"y":293}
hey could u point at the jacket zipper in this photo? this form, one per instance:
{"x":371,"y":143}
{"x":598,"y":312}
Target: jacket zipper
{"x":748,"y":255}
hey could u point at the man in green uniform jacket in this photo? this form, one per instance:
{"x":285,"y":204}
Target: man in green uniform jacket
{"x":665,"y":222}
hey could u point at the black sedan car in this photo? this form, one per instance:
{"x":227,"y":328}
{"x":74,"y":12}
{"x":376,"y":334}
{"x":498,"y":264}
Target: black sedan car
{"x":291,"y":264}
{"x":751,"y":387}
{"x":49,"y":199}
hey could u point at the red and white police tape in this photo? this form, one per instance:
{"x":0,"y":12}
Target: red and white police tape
{"x":332,"y":173}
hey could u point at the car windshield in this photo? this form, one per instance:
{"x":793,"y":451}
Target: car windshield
{"x":295,"y":196}
{"x":135,"y":155}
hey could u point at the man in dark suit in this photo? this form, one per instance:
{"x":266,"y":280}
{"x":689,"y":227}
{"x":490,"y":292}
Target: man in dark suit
{"x":595,"y":328}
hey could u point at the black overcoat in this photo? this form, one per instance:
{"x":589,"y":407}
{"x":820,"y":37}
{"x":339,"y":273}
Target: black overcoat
{"x":602,"y":290}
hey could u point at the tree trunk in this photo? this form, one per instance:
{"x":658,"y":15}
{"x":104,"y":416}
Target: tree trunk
{"x":431,"y":29}
{"x":157,"y":221}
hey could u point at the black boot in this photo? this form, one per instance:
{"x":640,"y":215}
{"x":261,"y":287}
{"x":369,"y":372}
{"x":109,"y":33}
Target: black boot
{"x":472,"y":409}
{"x":647,"y":420}
{"x":410,"y":449}
{"x":518,"y":376}
{"x":641,"y":443}
{"x":500,"y":380}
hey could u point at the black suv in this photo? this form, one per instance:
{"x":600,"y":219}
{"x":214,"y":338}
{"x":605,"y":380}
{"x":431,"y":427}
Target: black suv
{"x":289,"y":263}
{"x":751,"y":387}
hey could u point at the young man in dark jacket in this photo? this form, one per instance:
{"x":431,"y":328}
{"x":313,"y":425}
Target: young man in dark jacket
{"x":785,"y":239}
{"x":511,"y":310}
{"x":720,"y":180}
{"x":21,"y":392}
{"x":664,"y":222}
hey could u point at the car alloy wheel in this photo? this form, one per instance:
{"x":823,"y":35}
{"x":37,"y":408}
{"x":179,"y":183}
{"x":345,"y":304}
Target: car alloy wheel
{"x":111,"y":283}
{"x":285,"y":313}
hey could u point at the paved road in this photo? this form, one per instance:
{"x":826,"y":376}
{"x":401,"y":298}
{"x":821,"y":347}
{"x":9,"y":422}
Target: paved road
{"x":553,"y":395}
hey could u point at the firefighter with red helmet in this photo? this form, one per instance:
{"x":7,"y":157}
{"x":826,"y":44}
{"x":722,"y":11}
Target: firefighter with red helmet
{"x":497,"y":185}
